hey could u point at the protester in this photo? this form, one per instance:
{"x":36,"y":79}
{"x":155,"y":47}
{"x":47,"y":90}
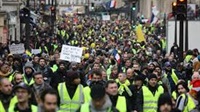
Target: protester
{"x":23,"y":93}
{"x":110,"y":47}
{"x":7,"y":97}
{"x":49,"y":101}
{"x":100,"y":101}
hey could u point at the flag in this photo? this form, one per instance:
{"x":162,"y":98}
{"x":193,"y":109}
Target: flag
{"x":139,"y":33}
{"x":112,"y":3}
{"x":116,"y":55}
{"x":109,"y":4}
{"x":154,"y":13}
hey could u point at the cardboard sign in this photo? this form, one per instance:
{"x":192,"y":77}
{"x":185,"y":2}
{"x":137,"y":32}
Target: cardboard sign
{"x":71,"y":53}
{"x":35,"y":51}
{"x":17,"y":49}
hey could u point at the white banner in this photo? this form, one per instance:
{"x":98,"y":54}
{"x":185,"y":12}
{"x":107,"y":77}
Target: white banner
{"x":35,"y":51}
{"x":17,"y":49}
{"x":71,"y":53}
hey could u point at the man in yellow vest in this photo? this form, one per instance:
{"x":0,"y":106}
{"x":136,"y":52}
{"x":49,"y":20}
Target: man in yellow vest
{"x":119,"y":102}
{"x":96,"y":78}
{"x":7,"y":98}
{"x":70,"y":93}
{"x":100,"y":101}
{"x":23,"y":93}
{"x":28,"y":73}
{"x":148,"y":96}
{"x":171,"y":75}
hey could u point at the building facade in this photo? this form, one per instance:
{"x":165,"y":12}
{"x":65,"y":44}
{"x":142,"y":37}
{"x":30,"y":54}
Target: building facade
{"x":163,"y":6}
{"x":9,"y":17}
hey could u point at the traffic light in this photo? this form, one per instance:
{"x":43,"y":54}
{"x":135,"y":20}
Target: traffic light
{"x":92,"y":6}
{"x":174,"y":6}
{"x":179,"y":9}
{"x":133,"y":6}
{"x":24,"y":15}
{"x":53,"y":12}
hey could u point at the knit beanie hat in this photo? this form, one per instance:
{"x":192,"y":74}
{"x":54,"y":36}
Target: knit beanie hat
{"x":152,"y":76}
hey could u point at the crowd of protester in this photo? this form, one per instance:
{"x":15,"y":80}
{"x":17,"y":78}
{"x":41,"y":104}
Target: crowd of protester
{"x":116,"y":73}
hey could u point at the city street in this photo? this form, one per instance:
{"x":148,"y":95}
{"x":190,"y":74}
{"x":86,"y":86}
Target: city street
{"x":99,"y":56}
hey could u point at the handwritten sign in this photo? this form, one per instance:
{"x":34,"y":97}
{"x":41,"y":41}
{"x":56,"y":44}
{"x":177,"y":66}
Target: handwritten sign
{"x":17,"y":49}
{"x":71,"y":53}
{"x":35,"y":51}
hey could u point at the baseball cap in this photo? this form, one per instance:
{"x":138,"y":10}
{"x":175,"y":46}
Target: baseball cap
{"x":22,"y":85}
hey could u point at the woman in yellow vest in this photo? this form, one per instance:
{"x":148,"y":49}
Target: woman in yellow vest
{"x":184,"y":102}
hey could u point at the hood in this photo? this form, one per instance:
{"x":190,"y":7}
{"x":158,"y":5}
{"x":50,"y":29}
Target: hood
{"x":104,"y":108}
{"x":28,"y":64}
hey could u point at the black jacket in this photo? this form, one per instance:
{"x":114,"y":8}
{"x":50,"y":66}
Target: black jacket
{"x":58,"y":77}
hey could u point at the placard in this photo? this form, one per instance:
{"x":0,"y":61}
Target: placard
{"x":35,"y":51}
{"x":17,"y":48}
{"x":71,"y":53}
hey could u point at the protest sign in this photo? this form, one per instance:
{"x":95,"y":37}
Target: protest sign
{"x":71,"y":53}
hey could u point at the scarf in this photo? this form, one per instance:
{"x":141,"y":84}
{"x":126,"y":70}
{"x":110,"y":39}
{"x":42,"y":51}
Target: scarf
{"x":124,"y":87}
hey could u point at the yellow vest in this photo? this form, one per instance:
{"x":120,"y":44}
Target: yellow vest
{"x":188,"y":58}
{"x":30,"y":83}
{"x":33,"y":109}
{"x":174,"y":77}
{"x":10,"y":78}
{"x":54,"y":68}
{"x":121,"y":104}
{"x":66,"y":103}
{"x":45,"y":48}
{"x":28,"y":53}
{"x":163,"y":44}
{"x":174,"y":95}
{"x":150,"y":100}
{"x":190,"y":105}
{"x":86,"y":108}
{"x":86,"y":93}
{"x":12,"y":103}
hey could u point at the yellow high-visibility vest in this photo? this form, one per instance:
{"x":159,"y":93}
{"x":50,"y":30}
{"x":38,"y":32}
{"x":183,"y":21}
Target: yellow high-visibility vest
{"x":150,"y":100}
{"x":30,"y":83}
{"x":66,"y":103}
{"x":13,"y":101}
{"x":174,"y":76}
{"x":86,"y":91}
{"x":121,"y":104}
{"x":190,"y":105}
{"x":33,"y":109}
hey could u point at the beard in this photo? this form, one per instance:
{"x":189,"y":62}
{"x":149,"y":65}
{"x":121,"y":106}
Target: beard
{"x":166,"y":110}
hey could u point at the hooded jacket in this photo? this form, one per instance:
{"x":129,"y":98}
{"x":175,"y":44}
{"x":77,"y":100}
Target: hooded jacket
{"x":30,"y":76}
{"x":104,"y":108}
